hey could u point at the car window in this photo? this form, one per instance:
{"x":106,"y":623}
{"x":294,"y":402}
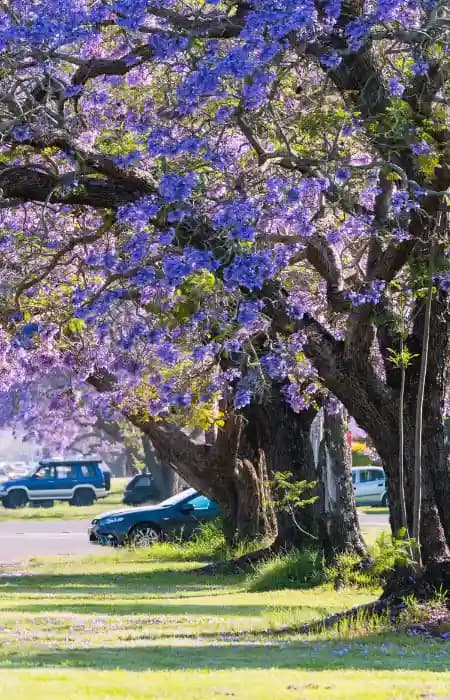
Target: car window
{"x":178,"y":498}
{"x":379,"y":474}
{"x":354,"y":477}
{"x":45,"y":473}
{"x":199,"y":502}
{"x":65,"y":471}
{"x":374,"y":475}
{"x":144,"y":481}
{"x":365,"y":476}
{"x":88,"y":471}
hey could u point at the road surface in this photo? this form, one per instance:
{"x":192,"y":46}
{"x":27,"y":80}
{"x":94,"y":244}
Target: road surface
{"x":22,"y":539}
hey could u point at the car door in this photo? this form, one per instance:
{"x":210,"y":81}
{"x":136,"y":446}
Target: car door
{"x":191,"y":513}
{"x":379,"y":486}
{"x":369,"y":489}
{"x":65,"y":480}
{"x":42,"y":483}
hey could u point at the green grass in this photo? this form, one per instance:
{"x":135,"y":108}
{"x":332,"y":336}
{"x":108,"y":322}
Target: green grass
{"x":64,"y":511}
{"x":128,"y":627}
{"x":374,"y":510}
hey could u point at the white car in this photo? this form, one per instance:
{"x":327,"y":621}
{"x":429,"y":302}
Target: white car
{"x":369,"y":484}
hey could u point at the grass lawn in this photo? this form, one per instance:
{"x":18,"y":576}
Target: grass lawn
{"x":374,"y":510}
{"x":64,"y":511}
{"x":126,"y":627}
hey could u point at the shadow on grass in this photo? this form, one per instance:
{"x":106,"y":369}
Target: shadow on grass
{"x":169,"y":580}
{"x":143,"y":607}
{"x":312,"y":656}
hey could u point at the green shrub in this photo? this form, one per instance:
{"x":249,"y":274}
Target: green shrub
{"x":207,"y":543}
{"x":293,"y":570}
{"x":386,"y":553}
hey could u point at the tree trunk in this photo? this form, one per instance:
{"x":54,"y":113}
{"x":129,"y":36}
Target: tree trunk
{"x":339,"y":530}
{"x":233,"y":472}
{"x":165,"y":480}
{"x":433,"y":541}
{"x":289,"y":449}
{"x":435,"y":520}
{"x":331,"y":522}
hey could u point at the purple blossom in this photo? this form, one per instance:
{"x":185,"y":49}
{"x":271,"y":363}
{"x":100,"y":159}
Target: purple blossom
{"x":422,"y":148}
{"x":420,"y":68}
{"x":22,"y":133}
{"x":168,"y":353}
{"x":331,"y":60}
{"x":369,"y":294}
{"x":242,"y":398}
{"x":342,"y":174}
{"x":73,"y":90}
{"x":249,"y":312}
{"x":274,"y":365}
{"x":396,"y":87}
{"x":295,"y":399}
{"x":183,"y":400}
{"x":177,"y":188}
{"x":401,"y":202}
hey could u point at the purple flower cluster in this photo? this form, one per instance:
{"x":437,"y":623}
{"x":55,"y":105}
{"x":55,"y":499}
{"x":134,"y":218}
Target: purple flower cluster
{"x":370,"y":294}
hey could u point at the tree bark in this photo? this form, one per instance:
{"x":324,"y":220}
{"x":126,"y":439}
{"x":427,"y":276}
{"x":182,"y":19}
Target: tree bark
{"x":339,"y":530}
{"x":232,"y":471}
{"x":288,"y":448}
{"x":165,"y":479}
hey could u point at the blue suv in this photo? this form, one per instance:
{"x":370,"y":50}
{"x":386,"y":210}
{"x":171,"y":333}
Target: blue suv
{"x":80,"y":482}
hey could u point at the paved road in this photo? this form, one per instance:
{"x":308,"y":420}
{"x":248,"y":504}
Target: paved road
{"x":373,"y":519}
{"x":22,"y":539}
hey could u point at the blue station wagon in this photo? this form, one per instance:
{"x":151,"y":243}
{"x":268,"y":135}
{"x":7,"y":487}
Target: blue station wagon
{"x":80,"y":482}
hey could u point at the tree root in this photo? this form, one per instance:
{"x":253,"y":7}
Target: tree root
{"x":399,"y":585}
{"x":357,"y":613}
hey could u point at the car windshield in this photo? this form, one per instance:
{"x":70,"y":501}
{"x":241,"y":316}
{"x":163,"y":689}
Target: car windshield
{"x":173,"y":500}
{"x":32,"y":470}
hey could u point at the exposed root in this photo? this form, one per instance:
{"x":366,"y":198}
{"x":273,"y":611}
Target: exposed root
{"x":352,"y":615}
{"x":433,"y":582}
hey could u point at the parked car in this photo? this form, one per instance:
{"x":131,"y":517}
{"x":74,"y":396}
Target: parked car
{"x":370,"y":486}
{"x":80,"y":482}
{"x":139,"y":490}
{"x":178,"y":516}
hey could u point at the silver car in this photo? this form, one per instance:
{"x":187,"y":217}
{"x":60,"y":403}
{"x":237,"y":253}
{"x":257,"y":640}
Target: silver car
{"x":370,"y":486}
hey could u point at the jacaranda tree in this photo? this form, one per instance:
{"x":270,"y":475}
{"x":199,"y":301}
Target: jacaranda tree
{"x":209,"y":205}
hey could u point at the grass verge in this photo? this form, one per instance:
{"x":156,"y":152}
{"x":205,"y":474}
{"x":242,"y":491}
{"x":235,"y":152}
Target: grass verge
{"x":129,"y":627}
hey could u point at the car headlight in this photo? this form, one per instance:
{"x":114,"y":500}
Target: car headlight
{"x":110,"y":521}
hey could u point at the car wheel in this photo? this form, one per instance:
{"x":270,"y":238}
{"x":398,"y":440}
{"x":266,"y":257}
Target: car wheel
{"x":144,"y":536}
{"x":384,"y":501}
{"x":16,"y":499}
{"x":82,"y":497}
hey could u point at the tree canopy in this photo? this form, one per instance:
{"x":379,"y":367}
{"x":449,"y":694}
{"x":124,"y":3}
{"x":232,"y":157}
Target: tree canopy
{"x":202,"y":199}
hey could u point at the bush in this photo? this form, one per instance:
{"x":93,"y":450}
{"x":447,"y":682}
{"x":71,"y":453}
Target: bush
{"x":307,"y":568}
{"x":293,"y":570}
{"x":387,"y":553}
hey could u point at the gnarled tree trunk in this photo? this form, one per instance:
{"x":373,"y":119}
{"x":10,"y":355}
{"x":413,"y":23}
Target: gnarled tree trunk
{"x":232,"y":471}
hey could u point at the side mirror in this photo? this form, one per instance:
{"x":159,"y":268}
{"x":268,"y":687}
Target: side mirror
{"x":187,"y":508}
